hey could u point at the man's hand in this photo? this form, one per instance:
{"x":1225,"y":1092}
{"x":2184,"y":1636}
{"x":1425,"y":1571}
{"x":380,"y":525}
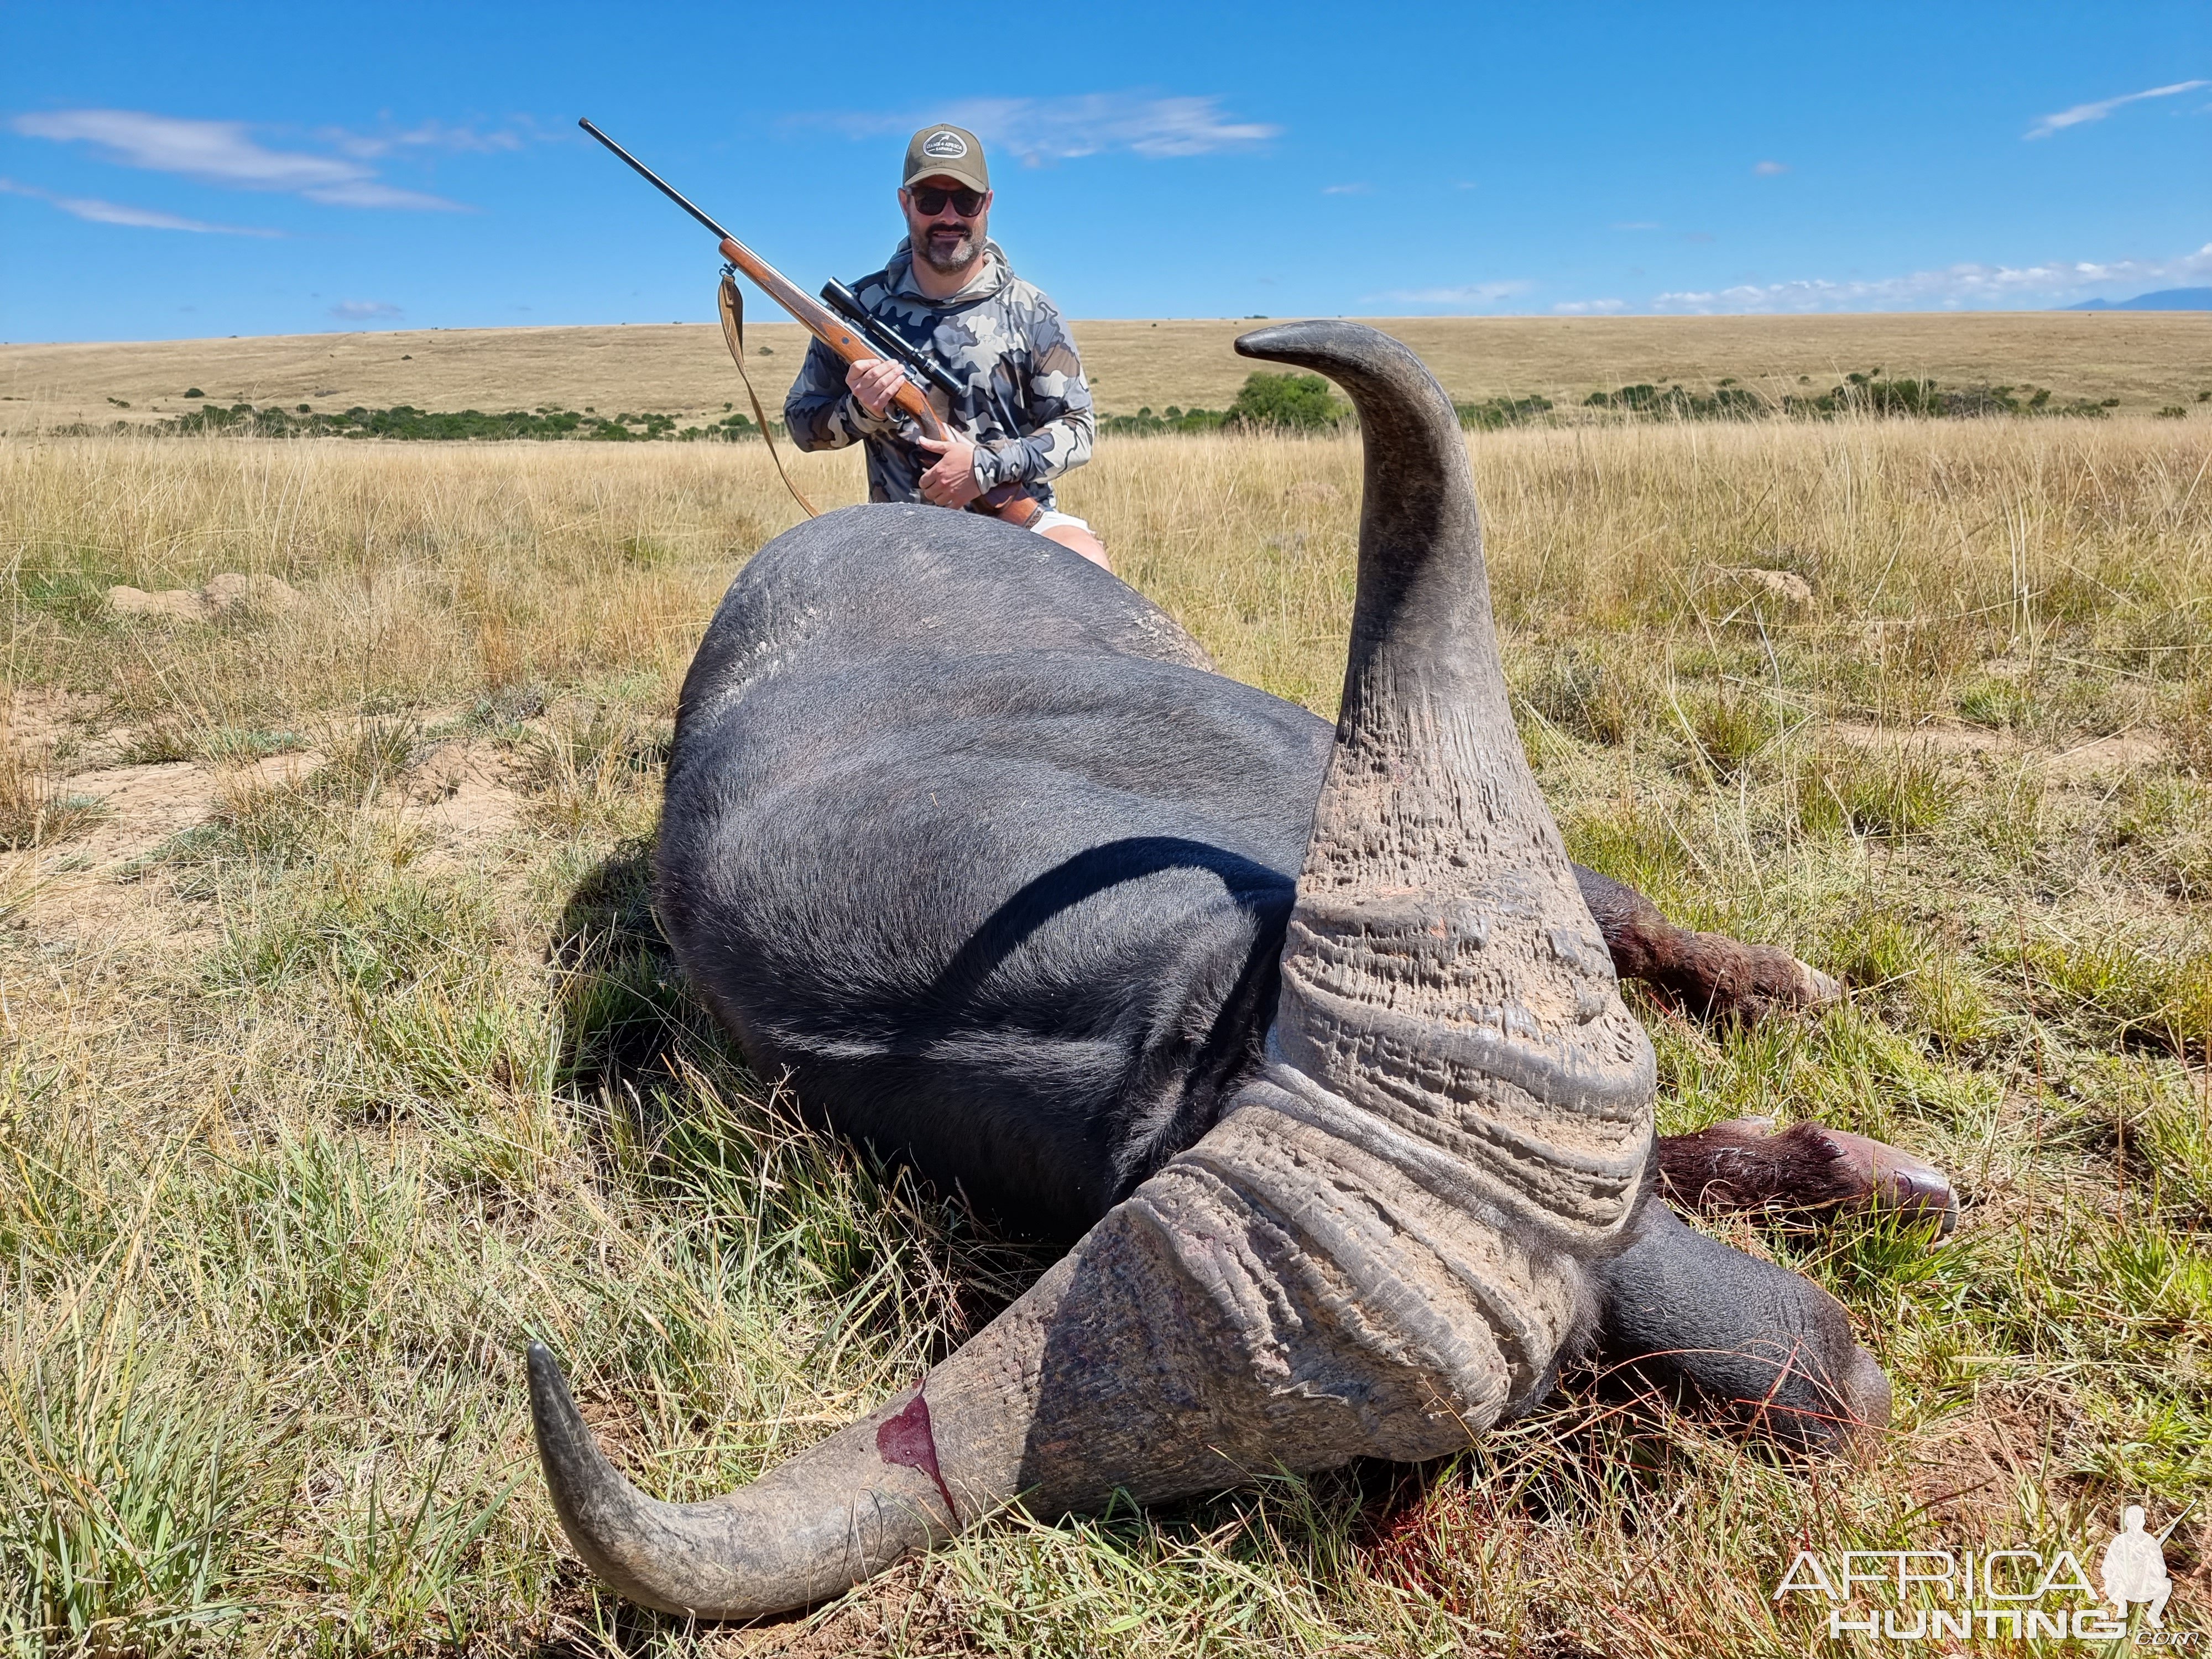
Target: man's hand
{"x":874,"y":380}
{"x":951,"y":480}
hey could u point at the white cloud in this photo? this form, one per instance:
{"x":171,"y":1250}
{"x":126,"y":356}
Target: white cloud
{"x":1039,"y":130}
{"x":221,"y":152}
{"x":1589,"y":307}
{"x":2081,"y":114}
{"x":98,"y":212}
{"x":1638,"y":224}
{"x":1470,"y":294}
{"x":1771,"y":169}
{"x":1953,"y":286}
{"x":428,"y":134}
{"x":218,"y":152}
{"x":355,"y":310}
{"x":367,"y":193}
{"x":1346,"y":190}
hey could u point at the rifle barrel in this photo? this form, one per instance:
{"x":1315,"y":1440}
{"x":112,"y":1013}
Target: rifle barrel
{"x":808,"y":311}
{"x":653,"y":179}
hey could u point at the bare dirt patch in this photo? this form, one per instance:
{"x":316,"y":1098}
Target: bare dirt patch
{"x":147,"y":805}
{"x":2120,"y":752}
{"x":40,"y":716}
{"x":103,"y":886}
{"x":95,"y":891}
{"x":461,"y":793}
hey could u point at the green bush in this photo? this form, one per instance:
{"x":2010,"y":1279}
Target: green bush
{"x":1274,"y":403}
{"x":1868,"y":394}
{"x":1146,"y":424}
{"x":406,"y":421}
{"x":2153,"y":990}
{"x":1495,"y":412}
{"x":1726,"y":401}
{"x":1729,"y":729}
{"x":1848,"y":792}
{"x":1293,"y":402}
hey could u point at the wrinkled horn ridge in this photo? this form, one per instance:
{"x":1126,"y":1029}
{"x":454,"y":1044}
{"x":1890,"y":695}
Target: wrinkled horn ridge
{"x":1442,"y":971}
{"x":1378,"y":1250}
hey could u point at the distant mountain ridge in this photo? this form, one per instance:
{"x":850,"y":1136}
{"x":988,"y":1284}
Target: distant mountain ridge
{"x":2165,"y":299}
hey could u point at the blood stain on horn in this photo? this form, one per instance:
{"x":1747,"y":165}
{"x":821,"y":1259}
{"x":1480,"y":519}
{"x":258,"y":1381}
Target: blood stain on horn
{"x":903,"y":1440}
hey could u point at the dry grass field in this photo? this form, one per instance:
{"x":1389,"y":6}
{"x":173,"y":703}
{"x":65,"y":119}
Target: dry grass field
{"x":340,"y":1054}
{"x":2148,"y":359}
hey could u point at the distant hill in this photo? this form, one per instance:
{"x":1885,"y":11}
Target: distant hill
{"x":2166,"y":298}
{"x":2148,"y":359}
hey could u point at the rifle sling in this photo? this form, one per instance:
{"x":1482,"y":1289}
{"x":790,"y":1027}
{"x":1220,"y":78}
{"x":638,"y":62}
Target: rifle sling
{"x":732,"y":306}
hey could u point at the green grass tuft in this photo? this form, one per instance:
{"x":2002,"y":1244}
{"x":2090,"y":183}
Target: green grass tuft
{"x":1848,"y":792}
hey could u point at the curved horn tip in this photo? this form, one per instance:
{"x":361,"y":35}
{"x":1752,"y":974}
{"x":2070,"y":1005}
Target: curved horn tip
{"x":594,"y":1499}
{"x":564,"y":1439}
{"x":801,"y":1536}
{"x":1390,"y":386}
{"x":1271,"y":342}
{"x":614,"y":1527}
{"x":1324,"y":342}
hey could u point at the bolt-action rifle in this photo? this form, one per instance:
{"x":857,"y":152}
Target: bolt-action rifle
{"x":847,"y":304}
{"x":855,"y":338}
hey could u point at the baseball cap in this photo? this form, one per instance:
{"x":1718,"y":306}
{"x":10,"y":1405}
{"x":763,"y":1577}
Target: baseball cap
{"x":946,"y":152}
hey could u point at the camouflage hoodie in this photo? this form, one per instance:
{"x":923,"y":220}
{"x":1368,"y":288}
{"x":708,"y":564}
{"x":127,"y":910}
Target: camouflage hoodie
{"x":999,"y":330}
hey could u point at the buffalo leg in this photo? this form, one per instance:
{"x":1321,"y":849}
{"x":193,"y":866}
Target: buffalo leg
{"x":1808,"y":1170}
{"x":1709,"y":974}
{"x":1742,"y":1165}
{"x":1702,"y":1322}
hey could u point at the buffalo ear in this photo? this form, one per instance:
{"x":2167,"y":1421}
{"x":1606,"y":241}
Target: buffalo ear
{"x":1702,"y":1319}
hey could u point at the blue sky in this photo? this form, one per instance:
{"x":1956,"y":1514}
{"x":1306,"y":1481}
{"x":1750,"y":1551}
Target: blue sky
{"x":186,"y":170}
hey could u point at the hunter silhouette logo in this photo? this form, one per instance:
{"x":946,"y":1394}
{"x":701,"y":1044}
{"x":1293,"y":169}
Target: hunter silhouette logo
{"x":2134,"y":1568}
{"x":945,"y":146}
{"x":2017,"y":1593}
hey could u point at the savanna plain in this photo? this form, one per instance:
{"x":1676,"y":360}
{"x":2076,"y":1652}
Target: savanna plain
{"x":342,"y":1053}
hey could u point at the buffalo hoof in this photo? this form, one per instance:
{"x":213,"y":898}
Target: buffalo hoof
{"x":1743,"y":1165}
{"x":1811,"y":988}
{"x":1766,"y":980}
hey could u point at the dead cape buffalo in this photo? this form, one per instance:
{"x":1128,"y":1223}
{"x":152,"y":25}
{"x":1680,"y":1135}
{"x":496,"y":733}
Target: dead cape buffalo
{"x":1312,"y":1038}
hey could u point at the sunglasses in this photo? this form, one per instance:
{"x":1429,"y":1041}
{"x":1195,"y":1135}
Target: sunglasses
{"x":929,"y":201}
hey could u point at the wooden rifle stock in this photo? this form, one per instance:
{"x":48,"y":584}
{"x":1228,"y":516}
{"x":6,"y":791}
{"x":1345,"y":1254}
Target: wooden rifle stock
{"x":1008,"y":501}
{"x":826,"y":326}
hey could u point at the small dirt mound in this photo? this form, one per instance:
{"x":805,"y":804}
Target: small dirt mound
{"x":224,"y":594}
{"x":1785,"y":584}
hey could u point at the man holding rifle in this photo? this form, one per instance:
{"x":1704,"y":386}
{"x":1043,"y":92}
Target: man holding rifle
{"x":1024,"y":412}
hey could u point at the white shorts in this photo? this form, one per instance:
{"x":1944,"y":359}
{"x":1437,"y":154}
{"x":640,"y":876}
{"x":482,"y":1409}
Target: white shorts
{"x":1045,"y":521}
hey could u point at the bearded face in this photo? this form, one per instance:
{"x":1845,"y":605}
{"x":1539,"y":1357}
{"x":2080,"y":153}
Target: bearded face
{"x":945,"y":241}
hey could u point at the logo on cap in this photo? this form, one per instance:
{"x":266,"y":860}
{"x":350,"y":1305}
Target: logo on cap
{"x":945,"y":146}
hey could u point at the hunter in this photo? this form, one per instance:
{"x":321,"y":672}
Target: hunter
{"x":949,"y":292}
